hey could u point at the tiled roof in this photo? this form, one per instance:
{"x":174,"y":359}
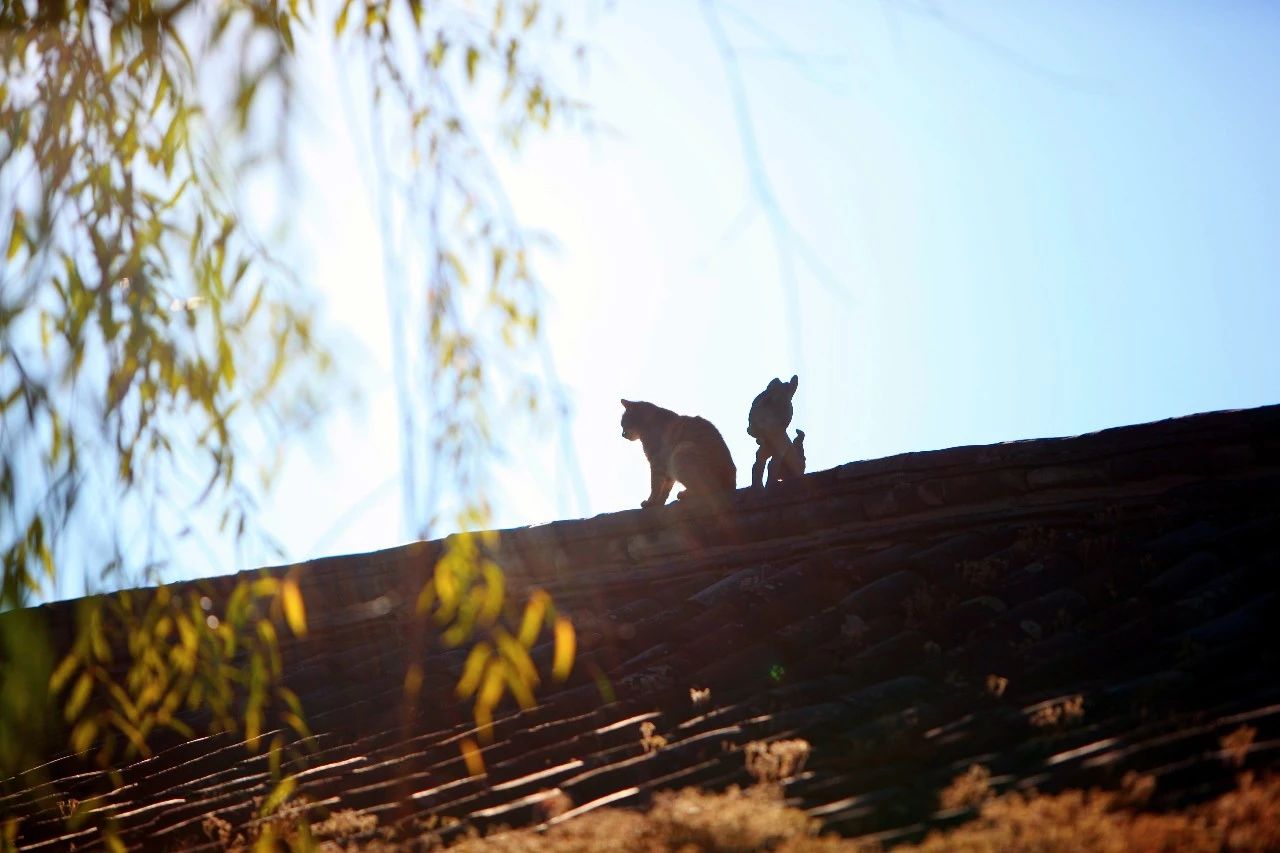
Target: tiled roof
{"x":1058,"y":610}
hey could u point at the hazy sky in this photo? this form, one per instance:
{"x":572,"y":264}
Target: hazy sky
{"x":1004,"y":220}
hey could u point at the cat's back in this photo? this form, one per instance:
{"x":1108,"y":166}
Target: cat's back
{"x":697,"y":431}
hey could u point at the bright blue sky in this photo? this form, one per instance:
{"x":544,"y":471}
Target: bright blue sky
{"x":1038,"y":218}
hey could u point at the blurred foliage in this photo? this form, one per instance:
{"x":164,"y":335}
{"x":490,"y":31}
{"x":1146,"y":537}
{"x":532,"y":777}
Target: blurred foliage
{"x":143,"y":657}
{"x":151,"y":343}
{"x":466,"y":597}
{"x":145,"y":331}
{"x":470,"y":354}
{"x":449,"y":87}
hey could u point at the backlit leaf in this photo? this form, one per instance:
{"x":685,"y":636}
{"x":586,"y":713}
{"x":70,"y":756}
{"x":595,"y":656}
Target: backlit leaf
{"x":534,"y":614}
{"x":565,"y":648}
{"x":471,"y":755}
{"x":294,"y":611}
{"x":279,"y":794}
{"x":474,"y":669}
{"x":18,"y":236}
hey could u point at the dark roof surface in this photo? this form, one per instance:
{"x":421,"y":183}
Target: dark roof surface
{"x":1059,"y":610}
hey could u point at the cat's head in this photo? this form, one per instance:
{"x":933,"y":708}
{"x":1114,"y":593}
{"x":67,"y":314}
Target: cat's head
{"x":634,"y":417}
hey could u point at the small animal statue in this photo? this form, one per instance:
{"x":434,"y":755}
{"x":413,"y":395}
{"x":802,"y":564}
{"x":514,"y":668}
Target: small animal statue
{"x":789,"y":464}
{"x":767,"y":423}
{"x":688,"y":450}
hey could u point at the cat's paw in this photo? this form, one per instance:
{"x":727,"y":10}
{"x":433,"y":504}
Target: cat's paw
{"x":681,"y":495}
{"x":645,"y":504}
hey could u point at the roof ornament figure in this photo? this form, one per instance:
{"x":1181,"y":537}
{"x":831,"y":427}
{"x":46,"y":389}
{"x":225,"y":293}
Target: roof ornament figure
{"x":767,"y":423}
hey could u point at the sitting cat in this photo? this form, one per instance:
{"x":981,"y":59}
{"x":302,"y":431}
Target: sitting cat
{"x":790,"y":463}
{"x":767,"y":423}
{"x":680,"y":448}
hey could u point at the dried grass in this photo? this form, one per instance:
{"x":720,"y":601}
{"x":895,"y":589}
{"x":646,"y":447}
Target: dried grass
{"x":1246,"y":819}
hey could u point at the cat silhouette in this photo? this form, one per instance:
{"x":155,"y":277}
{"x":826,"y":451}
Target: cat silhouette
{"x":680,"y":448}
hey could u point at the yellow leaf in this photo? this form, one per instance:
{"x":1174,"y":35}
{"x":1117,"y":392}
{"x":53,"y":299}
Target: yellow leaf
{"x":296,"y":723}
{"x":267,"y":632}
{"x":79,"y":696}
{"x":278,"y":796}
{"x":252,"y":728}
{"x":83,"y":734}
{"x":491,"y":692}
{"x":266,"y":842}
{"x":425,"y":599}
{"x":264,"y":587}
{"x":518,"y":656}
{"x":566,"y":647}
{"x":494,"y":591}
{"x":484,"y":724}
{"x":436,"y":57}
{"x":341,"y":23}
{"x":18,"y":237}
{"x":63,"y":673}
{"x":473,"y":59}
{"x":130,"y":731}
{"x":446,"y":587}
{"x":413,"y":681}
{"x":294,"y":611}
{"x":518,"y":686}
{"x":471,"y":755}
{"x":474,"y":669}
{"x":273,"y":756}
{"x":113,"y":842}
{"x":534,"y":612}
{"x":123,"y":700}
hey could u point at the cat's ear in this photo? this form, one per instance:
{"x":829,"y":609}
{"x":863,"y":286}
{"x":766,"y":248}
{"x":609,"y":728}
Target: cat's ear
{"x":795,"y":382}
{"x":626,"y":404}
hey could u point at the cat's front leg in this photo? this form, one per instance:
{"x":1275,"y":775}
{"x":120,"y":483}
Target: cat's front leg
{"x":660,"y":487}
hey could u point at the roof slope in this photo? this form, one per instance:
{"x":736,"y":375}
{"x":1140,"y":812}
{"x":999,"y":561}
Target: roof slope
{"x":1059,"y":610}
